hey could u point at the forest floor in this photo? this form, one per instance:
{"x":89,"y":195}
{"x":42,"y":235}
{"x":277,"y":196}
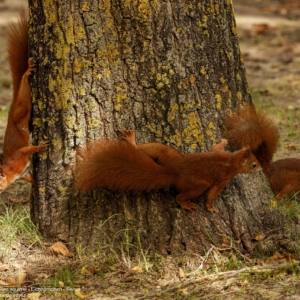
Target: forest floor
{"x":270,"y":43}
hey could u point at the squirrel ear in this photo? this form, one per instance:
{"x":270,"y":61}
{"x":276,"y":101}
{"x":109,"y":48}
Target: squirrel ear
{"x":246,"y":155}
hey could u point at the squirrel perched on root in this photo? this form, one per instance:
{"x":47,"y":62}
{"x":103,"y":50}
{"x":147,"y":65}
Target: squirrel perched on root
{"x":124,"y":165}
{"x":16,"y":147}
{"x":249,"y":127}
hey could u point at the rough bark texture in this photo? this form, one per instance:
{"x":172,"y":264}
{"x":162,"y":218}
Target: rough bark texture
{"x":171,"y":71}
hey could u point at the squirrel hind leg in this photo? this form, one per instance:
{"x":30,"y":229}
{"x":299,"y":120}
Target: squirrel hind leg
{"x":183,"y":199}
{"x":212,"y":194}
{"x":186,"y":204}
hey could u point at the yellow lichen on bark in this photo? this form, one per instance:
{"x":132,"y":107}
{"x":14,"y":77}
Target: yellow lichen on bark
{"x":218,"y":98}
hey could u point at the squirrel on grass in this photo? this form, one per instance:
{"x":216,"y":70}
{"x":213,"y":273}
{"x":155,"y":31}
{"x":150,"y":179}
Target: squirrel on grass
{"x":16,"y":147}
{"x":123,"y":165}
{"x":248,"y":127}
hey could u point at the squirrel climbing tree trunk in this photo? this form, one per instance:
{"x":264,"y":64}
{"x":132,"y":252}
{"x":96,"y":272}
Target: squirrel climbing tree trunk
{"x":169,"y":70}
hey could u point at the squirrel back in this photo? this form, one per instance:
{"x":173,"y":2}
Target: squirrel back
{"x":119,"y":165}
{"x":17,"y":40}
{"x":284,"y":177}
{"x":248,"y":127}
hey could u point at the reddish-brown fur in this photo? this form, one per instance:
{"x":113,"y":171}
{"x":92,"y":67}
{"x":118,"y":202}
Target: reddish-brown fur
{"x":124,"y":165}
{"x":249,"y":127}
{"x":284,"y":177}
{"x":16,"y":148}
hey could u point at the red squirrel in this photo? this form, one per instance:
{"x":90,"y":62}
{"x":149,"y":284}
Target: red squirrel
{"x":124,"y":165}
{"x":248,"y":127}
{"x":16,"y":147}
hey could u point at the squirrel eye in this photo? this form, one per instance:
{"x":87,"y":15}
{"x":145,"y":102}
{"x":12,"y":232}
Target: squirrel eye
{"x":254,"y":165}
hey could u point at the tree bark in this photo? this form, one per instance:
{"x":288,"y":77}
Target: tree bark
{"x":169,"y":70}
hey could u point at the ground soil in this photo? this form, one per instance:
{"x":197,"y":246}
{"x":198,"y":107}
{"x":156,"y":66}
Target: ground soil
{"x":270,"y":43}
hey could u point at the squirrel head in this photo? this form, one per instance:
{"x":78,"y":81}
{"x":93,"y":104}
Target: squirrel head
{"x":250,"y":163}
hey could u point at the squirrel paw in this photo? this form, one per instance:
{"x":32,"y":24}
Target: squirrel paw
{"x":213,"y":210}
{"x":31,"y":67}
{"x":43,"y":146}
{"x":188,"y":205}
{"x":129,"y":136}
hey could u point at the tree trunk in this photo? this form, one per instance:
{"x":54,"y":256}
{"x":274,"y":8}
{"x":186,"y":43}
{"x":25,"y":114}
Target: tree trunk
{"x":169,"y":70}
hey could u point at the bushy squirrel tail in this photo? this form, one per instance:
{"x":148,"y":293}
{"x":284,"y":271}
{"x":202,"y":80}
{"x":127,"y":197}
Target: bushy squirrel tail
{"x":118,"y":165}
{"x":248,"y":127}
{"x":17,"y":39}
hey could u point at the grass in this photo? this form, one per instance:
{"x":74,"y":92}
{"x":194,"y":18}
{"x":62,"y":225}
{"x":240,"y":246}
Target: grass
{"x":16,"y":224}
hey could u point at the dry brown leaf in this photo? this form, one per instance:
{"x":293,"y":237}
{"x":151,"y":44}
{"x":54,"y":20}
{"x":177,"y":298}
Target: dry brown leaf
{"x":60,"y":248}
{"x":80,"y":294}
{"x":4,"y":267}
{"x":259,"y":237}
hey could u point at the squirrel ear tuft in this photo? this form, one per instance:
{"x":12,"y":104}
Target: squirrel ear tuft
{"x":247,"y":153}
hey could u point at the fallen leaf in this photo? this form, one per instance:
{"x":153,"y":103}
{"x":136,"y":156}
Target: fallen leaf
{"x":80,"y":294}
{"x":259,"y":237}
{"x":60,"y":248}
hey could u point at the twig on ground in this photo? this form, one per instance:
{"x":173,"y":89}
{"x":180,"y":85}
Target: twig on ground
{"x":233,"y":273}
